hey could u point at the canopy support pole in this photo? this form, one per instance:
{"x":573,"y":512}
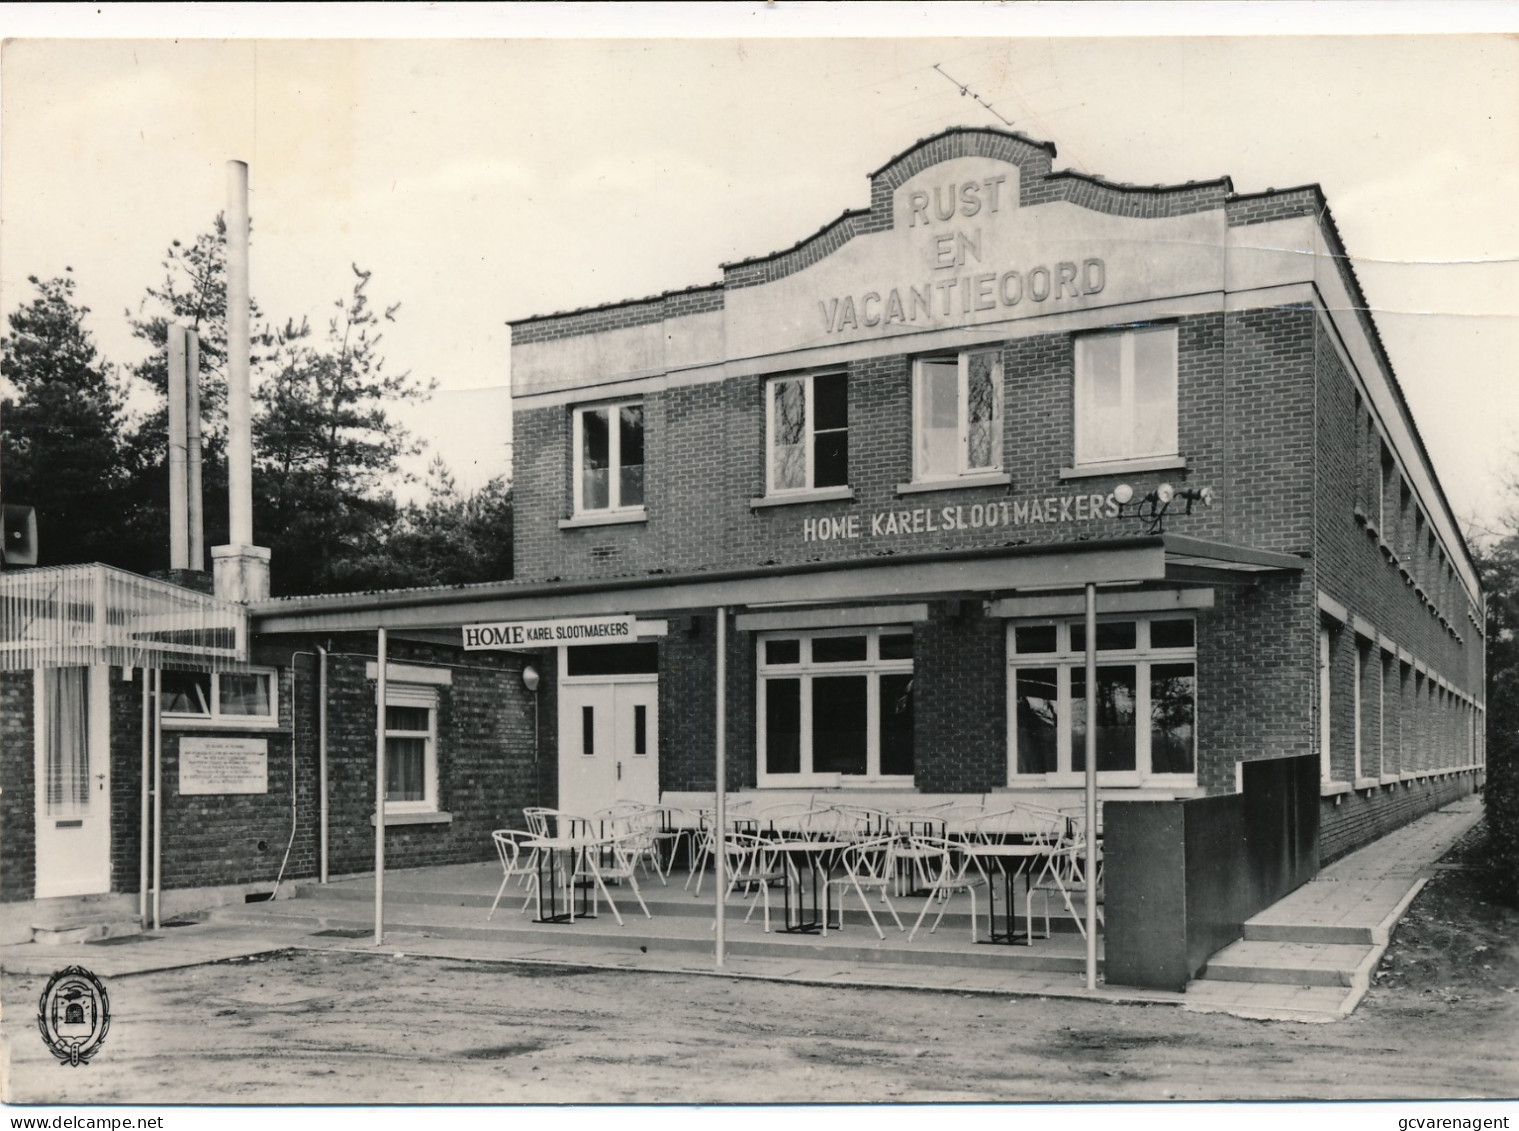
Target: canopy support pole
{"x":1091,"y":785}
{"x":158,"y":796}
{"x":146,"y":798}
{"x":321,"y":753}
{"x":379,"y":790}
{"x":720,"y":817}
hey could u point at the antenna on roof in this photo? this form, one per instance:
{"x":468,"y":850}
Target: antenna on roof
{"x":965,"y":90}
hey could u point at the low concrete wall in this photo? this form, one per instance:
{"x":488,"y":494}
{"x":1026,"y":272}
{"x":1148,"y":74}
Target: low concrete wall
{"x":1183,"y":876}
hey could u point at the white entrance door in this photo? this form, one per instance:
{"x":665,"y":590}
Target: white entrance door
{"x":72,"y":725}
{"x":608,"y":744}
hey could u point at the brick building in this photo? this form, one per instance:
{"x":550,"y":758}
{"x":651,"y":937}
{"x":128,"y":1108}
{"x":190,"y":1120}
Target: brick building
{"x":898,"y":449}
{"x":883,"y":467}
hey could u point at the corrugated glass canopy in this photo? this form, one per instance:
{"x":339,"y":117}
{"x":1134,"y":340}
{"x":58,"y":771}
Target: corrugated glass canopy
{"x":69,"y":616}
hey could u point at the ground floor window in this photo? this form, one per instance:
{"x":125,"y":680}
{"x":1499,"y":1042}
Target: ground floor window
{"x":220,"y":697}
{"x":835,"y":703}
{"x":1146,"y":701}
{"x":411,"y":749}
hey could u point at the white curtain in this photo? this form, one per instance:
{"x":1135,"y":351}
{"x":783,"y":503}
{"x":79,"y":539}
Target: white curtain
{"x":66,"y":735}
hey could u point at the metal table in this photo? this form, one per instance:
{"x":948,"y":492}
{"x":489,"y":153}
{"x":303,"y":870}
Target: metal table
{"x":1012,"y":860}
{"x":557,"y":856}
{"x":814,"y":858}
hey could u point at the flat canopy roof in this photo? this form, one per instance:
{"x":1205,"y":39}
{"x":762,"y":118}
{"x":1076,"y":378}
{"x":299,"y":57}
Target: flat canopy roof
{"x":896,"y":577}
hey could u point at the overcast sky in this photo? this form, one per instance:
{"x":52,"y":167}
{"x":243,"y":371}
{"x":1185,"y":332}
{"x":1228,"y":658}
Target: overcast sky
{"x":485,"y":179}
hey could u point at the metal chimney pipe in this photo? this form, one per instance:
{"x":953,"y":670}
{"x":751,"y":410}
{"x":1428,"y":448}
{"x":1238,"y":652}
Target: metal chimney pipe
{"x":179,"y":546}
{"x":193,"y":451}
{"x":239,"y":402}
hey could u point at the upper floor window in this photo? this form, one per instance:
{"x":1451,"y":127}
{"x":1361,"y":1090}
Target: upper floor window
{"x":957,"y":416}
{"x":807,"y":430}
{"x":1126,"y":395}
{"x":609,"y":458}
{"x":220,"y":697}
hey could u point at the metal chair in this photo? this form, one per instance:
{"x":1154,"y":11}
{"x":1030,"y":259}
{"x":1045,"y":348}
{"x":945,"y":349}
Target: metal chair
{"x":1064,"y":874}
{"x":751,"y":862}
{"x":538,"y":819}
{"x":620,"y":862}
{"x":627,"y":817}
{"x":945,"y":871}
{"x":786,"y":819}
{"x":519,"y":860}
{"x":868,"y":864}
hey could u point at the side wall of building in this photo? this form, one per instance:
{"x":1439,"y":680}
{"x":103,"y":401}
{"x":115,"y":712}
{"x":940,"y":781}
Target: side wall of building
{"x":1405,"y":658}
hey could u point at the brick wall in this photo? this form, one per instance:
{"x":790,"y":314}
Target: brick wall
{"x":18,"y":795}
{"x":687,"y":705}
{"x":126,"y":780}
{"x":1350,"y":820}
{"x":1245,"y":429}
{"x":486,"y":774}
{"x":1254,"y":676}
{"x":216,"y":839}
{"x":959,"y":692}
{"x":1394,"y":585}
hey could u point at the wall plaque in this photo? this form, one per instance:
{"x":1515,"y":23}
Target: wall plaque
{"x":223,"y":765}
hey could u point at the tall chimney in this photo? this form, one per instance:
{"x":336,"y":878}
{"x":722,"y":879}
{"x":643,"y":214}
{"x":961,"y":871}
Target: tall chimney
{"x":179,"y":526}
{"x":239,"y":403}
{"x":241,"y":568}
{"x":193,"y":451}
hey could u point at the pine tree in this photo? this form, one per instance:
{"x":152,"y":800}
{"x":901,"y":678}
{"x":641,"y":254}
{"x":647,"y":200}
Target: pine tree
{"x":326,"y":449}
{"x":60,"y":428}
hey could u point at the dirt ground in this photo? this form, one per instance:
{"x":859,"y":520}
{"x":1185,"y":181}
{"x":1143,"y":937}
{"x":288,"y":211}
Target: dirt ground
{"x":1442,"y":1021}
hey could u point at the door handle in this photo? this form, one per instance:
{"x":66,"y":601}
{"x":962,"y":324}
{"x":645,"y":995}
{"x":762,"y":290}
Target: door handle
{"x":619,"y":771}
{"x":101,"y":779}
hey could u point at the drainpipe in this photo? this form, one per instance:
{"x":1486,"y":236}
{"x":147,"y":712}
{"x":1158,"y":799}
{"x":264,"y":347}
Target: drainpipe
{"x":158,"y":796}
{"x":379,"y":792}
{"x":147,"y":740}
{"x":321,"y":753}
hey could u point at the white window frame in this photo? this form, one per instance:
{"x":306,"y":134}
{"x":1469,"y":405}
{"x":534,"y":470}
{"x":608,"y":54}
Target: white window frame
{"x":614,"y":506}
{"x":771,"y":387}
{"x":1065,"y":661}
{"x":214,"y":717}
{"x":873,"y":667}
{"x":415,"y":695}
{"x":1359,"y":642}
{"x":921,"y":474}
{"x":1083,"y":426}
{"x":1326,"y":770}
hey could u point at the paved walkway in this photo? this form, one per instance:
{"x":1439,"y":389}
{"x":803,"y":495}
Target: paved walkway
{"x":1365,"y":892}
{"x":1315,"y":950}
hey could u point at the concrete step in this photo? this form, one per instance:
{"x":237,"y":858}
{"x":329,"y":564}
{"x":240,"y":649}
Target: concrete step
{"x":672,"y":902}
{"x":1287,"y":963}
{"x":84,"y":930}
{"x":855,"y":944}
{"x":70,"y":920}
{"x":1262,"y":929}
